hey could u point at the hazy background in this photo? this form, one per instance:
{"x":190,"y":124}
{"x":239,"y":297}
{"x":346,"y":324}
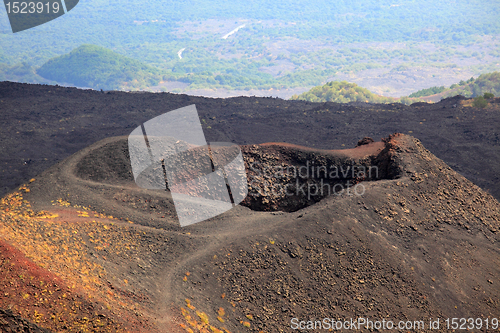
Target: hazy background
{"x":281,"y":48}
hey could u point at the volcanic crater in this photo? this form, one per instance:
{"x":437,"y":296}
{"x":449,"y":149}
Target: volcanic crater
{"x":420,"y":241}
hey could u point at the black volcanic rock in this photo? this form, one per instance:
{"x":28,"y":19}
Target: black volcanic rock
{"x":11,"y":323}
{"x":420,"y":241}
{"x":45,"y":124}
{"x":364,"y":141}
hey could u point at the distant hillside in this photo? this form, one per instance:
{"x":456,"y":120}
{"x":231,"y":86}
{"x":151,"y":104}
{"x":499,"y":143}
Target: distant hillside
{"x":341,"y":92}
{"x":21,"y":72}
{"x":428,"y":91}
{"x":99,"y":68}
{"x":485,"y":83}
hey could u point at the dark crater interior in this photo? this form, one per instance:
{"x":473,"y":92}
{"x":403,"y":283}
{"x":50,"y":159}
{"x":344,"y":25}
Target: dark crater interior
{"x":280,"y":177}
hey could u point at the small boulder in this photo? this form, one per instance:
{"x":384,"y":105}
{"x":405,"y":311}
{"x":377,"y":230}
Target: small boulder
{"x":364,"y":141}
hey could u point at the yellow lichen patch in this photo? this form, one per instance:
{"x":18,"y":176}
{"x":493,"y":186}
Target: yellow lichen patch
{"x":24,"y":188}
{"x":46,"y":215}
{"x":245,"y":323}
{"x":203,"y":316}
{"x":82,"y":214}
{"x":188,"y":304}
{"x":249,"y":316}
{"x":186,"y":328}
{"x":221,"y":312}
{"x":203,"y":325}
{"x":62,"y":203}
{"x":37,"y":316}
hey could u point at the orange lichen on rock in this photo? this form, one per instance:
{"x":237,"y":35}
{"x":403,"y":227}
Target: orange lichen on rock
{"x":43,"y":298}
{"x":56,"y":283}
{"x":191,"y":325}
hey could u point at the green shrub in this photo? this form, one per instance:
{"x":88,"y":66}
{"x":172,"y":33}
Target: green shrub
{"x":405,"y":100}
{"x":488,"y":95}
{"x":480,"y":102}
